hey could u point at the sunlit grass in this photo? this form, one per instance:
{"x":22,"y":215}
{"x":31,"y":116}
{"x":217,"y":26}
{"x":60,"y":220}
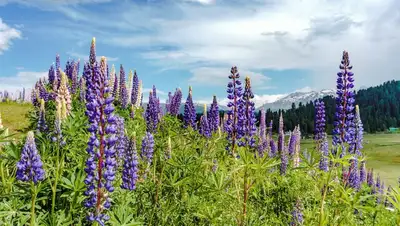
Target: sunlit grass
{"x":14,"y":116}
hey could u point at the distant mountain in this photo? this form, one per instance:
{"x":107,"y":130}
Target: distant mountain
{"x":297,"y":97}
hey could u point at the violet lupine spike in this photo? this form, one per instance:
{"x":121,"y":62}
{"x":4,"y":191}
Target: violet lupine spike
{"x":354,"y":176}
{"x":58,"y":75}
{"x":377,"y":185}
{"x":319,"y":127}
{"x":359,"y":130}
{"x":152,"y":114}
{"x":363,"y":172}
{"x":296,"y":155}
{"x":34,"y":97}
{"x":292,"y":144}
{"x":92,"y":55}
{"x":344,"y":130}
{"x":82,"y":89}
{"x":213,"y":115}
{"x":116,"y":88}
{"x":111,"y":80}
{"x":42,"y":90}
{"x":204,"y":126}
{"x":154,"y":91}
{"x":52,"y":76}
{"x":297,"y":215}
{"x":189,"y":115}
{"x":234,"y":91}
{"x":123,"y":92}
{"x":57,"y":136}
{"x":284,"y":160}
{"x":281,"y":135}
{"x":250,"y":128}
{"x":74,"y":79}
{"x":42,"y":126}
{"x":175,"y":102}
{"x":324,"y":149}
{"x":262,"y":136}
{"x":147,"y":148}
{"x":370,"y":178}
{"x":101,"y":163}
{"x":135,"y":89}
{"x":30,"y":165}
{"x":273,"y":149}
{"x":130,"y":167}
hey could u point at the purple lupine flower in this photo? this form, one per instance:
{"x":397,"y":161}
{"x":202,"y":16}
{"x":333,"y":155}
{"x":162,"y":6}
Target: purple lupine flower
{"x":204,"y":126}
{"x":154,"y":91}
{"x":101,"y":163}
{"x":359,"y":130}
{"x":57,"y":136}
{"x":34,"y":97}
{"x":262,"y":136}
{"x":52,"y":76}
{"x":152,"y":114}
{"x":284,"y":160}
{"x":249,"y":116}
{"x":234,"y":95}
{"x":319,"y":128}
{"x":273,"y":148}
{"x":292,"y":143}
{"x":121,"y":137}
{"x":82,"y":89}
{"x":343,"y":131}
{"x":281,"y":134}
{"x":130,"y":167}
{"x":354,"y":176}
{"x":147,"y":148}
{"x":92,"y":55}
{"x":42,"y":125}
{"x":123,"y":92}
{"x":324,"y":149}
{"x":74,"y":77}
{"x":370,"y":178}
{"x":42,"y":90}
{"x":135,"y":89}
{"x":297,"y":215}
{"x":30,"y":166}
{"x":58,"y":74}
{"x":189,"y":115}
{"x":175,"y":103}
{"x":116,"y":87}
{"x":377,"y":185}
{"x":213,"y":115}
{"x":363,"y":172}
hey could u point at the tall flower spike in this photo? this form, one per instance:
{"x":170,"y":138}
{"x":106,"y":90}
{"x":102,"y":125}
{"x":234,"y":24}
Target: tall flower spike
{"x":204,"y":126}
{"x":363,"y":172}
{"x":123,"y":93}
{"x":64,"y":97}
{"x":130,"y":167}
{"x":281,"y":134}
{"x":284,"y":160}
{"x":58,"y":137}
{"x":359,"y":130}
{"x":370,"y":179}
{"x":262,"y":136}
{"x":213,"y":115}
{"x":112,"y":79}
{"x":344,"y":117}
{"x":147,"y":148}
{"x":273,"y":149}
{"x":139,"y":95}
{"x":152,"y":114}
{"x":292,"y":143}
{"x":189,"y":115}
{"x":92,"y":56}
{"x":52,"y":77}
{"x":129,"y":86}
{"x":30,"y":166}
{"x":175,"y":102}
{"x":135,"y":89}
{"x":249,"y":118}
{"x":296,"y":155}
{"x":116,"y":88}
{"x":74,"y":79}
{"x":324,"y":149}
{"x":354,"y":176}
{"x":42,"y":126}
{"x":58,"y":74}
{"x":121,"y":137}
{"x":82,"y":89}
{"x":101,"y":162}
{"x":319,"y":128}
{"x":234,"y":91}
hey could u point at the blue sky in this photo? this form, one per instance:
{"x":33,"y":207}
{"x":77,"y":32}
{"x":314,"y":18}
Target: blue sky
{"x":283,"y":45}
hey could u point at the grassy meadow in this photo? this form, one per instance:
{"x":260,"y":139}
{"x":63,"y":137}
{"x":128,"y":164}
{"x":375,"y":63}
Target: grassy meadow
{"x":382,"y":150}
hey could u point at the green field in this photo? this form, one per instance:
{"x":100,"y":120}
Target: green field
{"x":382,"y":150}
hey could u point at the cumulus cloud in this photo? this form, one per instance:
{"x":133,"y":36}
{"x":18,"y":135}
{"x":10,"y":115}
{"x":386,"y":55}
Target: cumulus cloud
{"x":7,"y":34}
{"x":25,"y":79}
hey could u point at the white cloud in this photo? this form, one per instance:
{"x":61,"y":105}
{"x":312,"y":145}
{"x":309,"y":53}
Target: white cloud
{"x":304,"y":90}
{"x":86,"y":57}
{"x":25,"y":79}
{"x":218,"y":76}
{"x":7,"y":34}
{"x":204,"y":2}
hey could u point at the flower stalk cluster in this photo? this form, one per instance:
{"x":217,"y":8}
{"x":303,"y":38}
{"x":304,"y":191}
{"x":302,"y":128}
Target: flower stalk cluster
{"x":189,"y":114}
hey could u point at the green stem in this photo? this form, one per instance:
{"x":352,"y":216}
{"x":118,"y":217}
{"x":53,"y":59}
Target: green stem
{"x":321,"y":213}
{"x":33,"y":190}
{"x":245,"y":194}
{"x":54,"y":187}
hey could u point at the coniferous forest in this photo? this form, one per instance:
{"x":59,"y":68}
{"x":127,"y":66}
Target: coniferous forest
{"x":379,"y":107}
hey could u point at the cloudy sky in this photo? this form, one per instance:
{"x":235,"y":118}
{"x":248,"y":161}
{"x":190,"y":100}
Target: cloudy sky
{"x":283,"y":45}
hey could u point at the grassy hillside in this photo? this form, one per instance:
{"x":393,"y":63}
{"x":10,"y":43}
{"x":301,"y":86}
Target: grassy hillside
{"x":14,"y":116}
